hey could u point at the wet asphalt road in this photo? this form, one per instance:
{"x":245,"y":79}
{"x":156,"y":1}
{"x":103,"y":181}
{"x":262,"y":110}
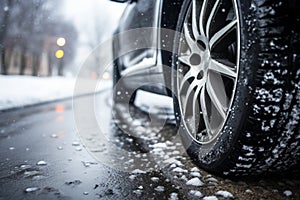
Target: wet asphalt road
{"x":80,"y":163}
{"x":48,"y":133}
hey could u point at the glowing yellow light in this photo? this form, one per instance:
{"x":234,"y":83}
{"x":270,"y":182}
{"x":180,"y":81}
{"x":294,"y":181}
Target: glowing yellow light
{"x":59,"y":54}
{"x":61,"y":41}
{"x":106,"y":75}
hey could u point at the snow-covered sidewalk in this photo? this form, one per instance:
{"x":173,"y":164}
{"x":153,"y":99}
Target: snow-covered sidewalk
{"x":18,"y":91}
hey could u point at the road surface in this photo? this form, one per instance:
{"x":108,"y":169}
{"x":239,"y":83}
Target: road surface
{"x":51,"y":151}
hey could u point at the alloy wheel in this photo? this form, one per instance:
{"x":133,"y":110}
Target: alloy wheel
{"x":208,"y":66}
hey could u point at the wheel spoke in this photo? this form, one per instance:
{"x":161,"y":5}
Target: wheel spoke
{"x":212,"y":14}
{"x":223,"y":69}
{"x":222,"y":33}
{"x":184,"y":60}
{"x":190,"y":74}
{"x":216,"y":91}
{"x":188,"y":38}
{"x":196,"y":111}
{"x":187,"y":95}
{"x":204,"y":111}
{"x":194,"y":20}
{"x":201,"y":20}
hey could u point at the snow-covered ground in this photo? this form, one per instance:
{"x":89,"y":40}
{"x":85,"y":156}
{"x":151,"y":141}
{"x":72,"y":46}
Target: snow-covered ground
{"x":18,"y":91}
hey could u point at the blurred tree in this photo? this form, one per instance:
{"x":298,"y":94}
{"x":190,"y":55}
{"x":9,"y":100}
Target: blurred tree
{"x":97,"y":35}
{"x":5,"y":11}
{"x":66,"y":30}
{"x":31,"y":27}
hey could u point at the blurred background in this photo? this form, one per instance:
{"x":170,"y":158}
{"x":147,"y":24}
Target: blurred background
{"x":45,"y":38}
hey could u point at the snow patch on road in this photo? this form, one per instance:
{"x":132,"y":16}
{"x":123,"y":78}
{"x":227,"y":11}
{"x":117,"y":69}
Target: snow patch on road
{"x":179,"y":170}
{"x":287,"y":193}
{"x":224,"y":194}
{"x":138,"y":171}
{"x":195,"y":182}
{"x":196,"y":193}
{"x":159,"y":188}
{"x":173,"y":196}
{"x":210,"y":198}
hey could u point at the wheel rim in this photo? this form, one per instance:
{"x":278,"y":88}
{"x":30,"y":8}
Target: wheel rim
{"x":208,"y":66}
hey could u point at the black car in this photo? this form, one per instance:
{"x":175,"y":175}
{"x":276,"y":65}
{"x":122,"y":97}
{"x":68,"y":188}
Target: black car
{"x":232,"y":68}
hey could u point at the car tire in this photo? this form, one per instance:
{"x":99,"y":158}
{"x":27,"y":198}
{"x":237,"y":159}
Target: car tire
{"x":260,"y":131}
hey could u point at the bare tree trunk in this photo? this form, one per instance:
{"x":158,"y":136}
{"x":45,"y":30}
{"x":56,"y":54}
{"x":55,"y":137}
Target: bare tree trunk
{"x":23,"y":61}
{"x":61,"y":67}
{"x":3,"y":65}
{"x":3,"y":32}
{"x":49,"y":64}
{"x":9,"y":61}
{"x":35,"y":65}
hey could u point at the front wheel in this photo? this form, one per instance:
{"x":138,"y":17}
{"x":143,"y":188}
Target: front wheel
{"x":236,"y":85}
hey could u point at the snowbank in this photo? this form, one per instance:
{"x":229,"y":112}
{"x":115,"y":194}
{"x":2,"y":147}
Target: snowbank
{"x":18,"y":91}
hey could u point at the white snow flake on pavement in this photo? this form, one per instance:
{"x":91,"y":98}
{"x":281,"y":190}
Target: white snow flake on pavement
{"x":210,"y":198}
{"x":196,"y":193}
{"x":197,"y":174}
{"x":138,"y":192}
{"x":224,"y":194}
{"x":159,"y":188}
{"x":173,"y":196}
{"x":183,"y":177}
{"x":132,"y":177}
{"x":195,"y":182}
{"x":154,"y":179}
{"x":78,"y":149}
{"x":179,"y":170}
{"x":31,"y":189}
{"x":60,"y":148}
{"x":195,"y":169}
{"x":138,"y":171}
{"x":75,"y":143}
{"x":159,"y":145}
{"x":249,"y":191}
{"x":174,"y":162}
{"x":287,"y":193}
{"x":53,"y":136}
{"x":212,"y":179}
{"x":41,"y":163}
{"x":140,"y":187}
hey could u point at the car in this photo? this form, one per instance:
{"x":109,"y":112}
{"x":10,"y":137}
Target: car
{"x":232,"y":69}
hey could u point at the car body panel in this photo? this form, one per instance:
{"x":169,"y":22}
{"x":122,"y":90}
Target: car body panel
{"x":140,"y":65}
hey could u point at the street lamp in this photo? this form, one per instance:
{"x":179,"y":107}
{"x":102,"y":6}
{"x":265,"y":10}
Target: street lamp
{"x":61,"y":41}
{"x":59,"y":54}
